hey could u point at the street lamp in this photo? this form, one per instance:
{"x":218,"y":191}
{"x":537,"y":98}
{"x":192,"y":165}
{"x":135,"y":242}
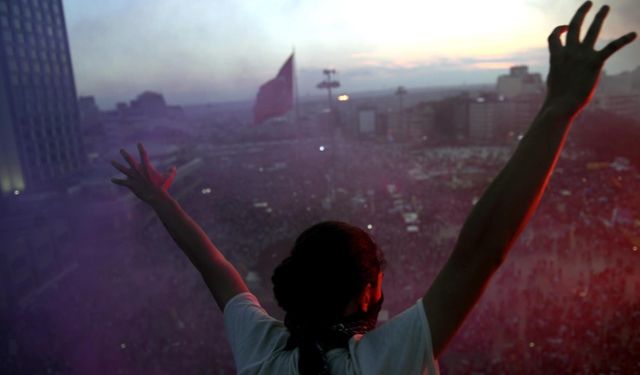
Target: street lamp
{"x":329,"y":84}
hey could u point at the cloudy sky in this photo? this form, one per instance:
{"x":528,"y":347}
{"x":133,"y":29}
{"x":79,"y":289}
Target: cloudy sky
{"x":197,"y":51}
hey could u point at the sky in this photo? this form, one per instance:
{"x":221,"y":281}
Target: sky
{"x":198,"y":51}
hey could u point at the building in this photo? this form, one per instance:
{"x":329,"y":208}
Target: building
{"x":40,"y":139}
{"x":499,"y":115}
{"x":89,"y":111}
{"x":148,"y":104}
{"x":421,"y":121}
{"x":620,"y":94}
{"x":519,"y":82}
{"x":451,"y":116}
{"x":488,"y":117}
{"x":524,"y":92}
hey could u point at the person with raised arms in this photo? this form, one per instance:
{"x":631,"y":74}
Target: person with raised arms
{"x":330,"y":286}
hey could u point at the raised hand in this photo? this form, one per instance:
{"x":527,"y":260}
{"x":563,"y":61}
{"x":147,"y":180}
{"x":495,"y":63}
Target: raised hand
{"x":142,"y":178}
{"x":575,"y":67}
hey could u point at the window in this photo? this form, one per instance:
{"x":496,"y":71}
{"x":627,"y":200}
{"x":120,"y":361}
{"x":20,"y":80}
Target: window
{"x":15,"y":79}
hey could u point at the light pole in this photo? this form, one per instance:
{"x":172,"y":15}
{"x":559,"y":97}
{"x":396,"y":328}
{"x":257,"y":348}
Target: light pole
{"x":329,"y":84}
{"x":400,"y":93}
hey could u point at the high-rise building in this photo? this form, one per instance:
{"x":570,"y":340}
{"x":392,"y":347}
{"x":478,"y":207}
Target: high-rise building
{"x":525,"y":92}
{"x":620,"y":94}
{"x":40,"y":138}
{"x":488,"y":117}
{"x":519,"y":82}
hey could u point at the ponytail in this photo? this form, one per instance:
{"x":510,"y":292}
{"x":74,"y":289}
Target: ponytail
{"x":330,"y":265}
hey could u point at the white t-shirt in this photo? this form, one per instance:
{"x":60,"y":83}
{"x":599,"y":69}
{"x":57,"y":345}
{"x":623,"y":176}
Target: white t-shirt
{"x":400,"y":346}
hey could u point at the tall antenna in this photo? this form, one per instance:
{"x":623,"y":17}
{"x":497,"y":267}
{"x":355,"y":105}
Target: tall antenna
{"x":295,"y":90}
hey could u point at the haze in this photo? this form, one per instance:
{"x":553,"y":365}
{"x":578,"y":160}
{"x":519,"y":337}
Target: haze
{"x":201,"y":51}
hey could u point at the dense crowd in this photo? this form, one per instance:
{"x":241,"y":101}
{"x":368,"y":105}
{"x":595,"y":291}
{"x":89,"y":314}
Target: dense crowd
{"x":566,"y":301}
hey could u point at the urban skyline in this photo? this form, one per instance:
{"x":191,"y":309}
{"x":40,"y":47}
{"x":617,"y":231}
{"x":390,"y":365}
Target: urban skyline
{"x":222,"y":51}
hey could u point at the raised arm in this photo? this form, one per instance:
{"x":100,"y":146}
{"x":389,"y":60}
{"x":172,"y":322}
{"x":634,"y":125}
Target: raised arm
{"x":222,"y":279}
{"x":511,"y":199}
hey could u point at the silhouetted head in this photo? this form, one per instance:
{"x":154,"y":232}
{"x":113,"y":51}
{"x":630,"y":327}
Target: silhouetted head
{"x":334,"y":272}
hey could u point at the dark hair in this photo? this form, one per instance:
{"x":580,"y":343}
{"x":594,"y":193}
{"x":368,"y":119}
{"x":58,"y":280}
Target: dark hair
{"x":330,"y":265}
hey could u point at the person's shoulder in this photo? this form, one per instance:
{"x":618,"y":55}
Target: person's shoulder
{"x":412,"y":320}
{"x":400,"y":345}
{"x":241,"y":300}
{"x":253,"y":334}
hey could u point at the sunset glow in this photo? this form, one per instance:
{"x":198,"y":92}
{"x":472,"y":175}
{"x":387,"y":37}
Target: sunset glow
{"x":222,"y":50}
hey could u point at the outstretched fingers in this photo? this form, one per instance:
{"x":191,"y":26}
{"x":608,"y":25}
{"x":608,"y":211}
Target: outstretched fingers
{"x":596,"y":26}
{"x":122,"y":182}
{"x":614,"y":46}
{"x":146,"y":164}
{"x":126,"y":171}
{"x":573,"y":35}
{"x":169,"y":178}
{"x":131,"y":161}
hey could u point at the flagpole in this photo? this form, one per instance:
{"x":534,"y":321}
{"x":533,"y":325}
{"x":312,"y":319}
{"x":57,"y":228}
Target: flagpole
{"x":295,"y":90}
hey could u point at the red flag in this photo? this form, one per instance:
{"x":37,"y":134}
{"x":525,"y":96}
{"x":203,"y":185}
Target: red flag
{"x":275,"y":97}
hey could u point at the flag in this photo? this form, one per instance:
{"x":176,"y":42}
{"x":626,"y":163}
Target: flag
{"x":275,"y":97}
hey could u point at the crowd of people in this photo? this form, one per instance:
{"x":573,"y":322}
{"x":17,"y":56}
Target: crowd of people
{"x":566,"y":301}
